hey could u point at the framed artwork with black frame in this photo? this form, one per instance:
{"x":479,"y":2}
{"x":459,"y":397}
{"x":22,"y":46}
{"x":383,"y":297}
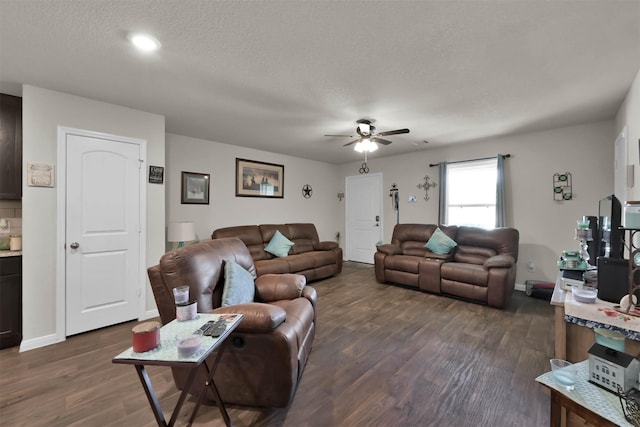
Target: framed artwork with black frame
{"x":259,"y":179}
{"x":195,"y":188}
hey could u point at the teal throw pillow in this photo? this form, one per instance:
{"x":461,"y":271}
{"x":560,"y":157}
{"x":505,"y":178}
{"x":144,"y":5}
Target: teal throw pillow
{"x":238,"y":285}
{"x":279,"y":245}
{"x":440,"y":243}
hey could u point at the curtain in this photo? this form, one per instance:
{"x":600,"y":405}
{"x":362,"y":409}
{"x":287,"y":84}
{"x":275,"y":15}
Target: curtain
{"x":501,"y":217}
{"x":442,"y":194}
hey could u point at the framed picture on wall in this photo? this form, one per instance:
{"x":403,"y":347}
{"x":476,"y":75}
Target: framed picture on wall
{"x":195,"y":188}
{"x":259,"y":179}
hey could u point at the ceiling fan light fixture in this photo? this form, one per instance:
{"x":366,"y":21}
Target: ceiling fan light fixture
{"x":365,"y":128}
{"x":366,"y":145}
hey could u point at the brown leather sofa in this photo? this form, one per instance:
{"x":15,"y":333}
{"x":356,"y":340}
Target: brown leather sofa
{"x":265,"y":356}
{"x":308,"y":256}
{"x":481,"y":268}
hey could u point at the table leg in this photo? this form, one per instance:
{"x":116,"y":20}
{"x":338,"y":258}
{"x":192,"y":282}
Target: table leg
{"x":211,"y":383}
{"x":151,"y":395}
{"x":153,"y":399}
{"x":555,"y":410}
{"x":560,"y":327}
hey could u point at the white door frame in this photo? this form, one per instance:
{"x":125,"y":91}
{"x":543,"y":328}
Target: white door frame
{"x":379,"y":177}
{"x":61,"y":215}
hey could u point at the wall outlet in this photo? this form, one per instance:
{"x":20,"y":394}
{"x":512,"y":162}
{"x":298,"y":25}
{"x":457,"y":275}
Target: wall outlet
{"x":531,"y":266}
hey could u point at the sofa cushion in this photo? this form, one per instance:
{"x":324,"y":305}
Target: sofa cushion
{"x":304,"y":235}
{"x":274,"y":265}
{"x":238,"y":285}
{"x":473,"y":254}
{"x":279,"y":245}
{"x":440,"y":243}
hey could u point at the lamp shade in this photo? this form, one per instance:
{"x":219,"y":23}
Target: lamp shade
{"x":181,"y":231}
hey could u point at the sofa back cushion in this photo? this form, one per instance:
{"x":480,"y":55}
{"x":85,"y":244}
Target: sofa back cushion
{"x":304,"y":237}
{"x":250,"y":235}
{"x":475,"y":245}
{"x":201,"y":267}
{"x":411,"y":238}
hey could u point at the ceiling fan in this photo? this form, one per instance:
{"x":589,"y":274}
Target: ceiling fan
{"x":369,"y":136}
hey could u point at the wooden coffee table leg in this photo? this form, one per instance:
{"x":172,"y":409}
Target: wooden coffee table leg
{"x":555,"y":410}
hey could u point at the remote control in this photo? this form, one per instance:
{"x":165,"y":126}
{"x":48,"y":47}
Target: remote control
{"x":216,"y":329}
{"x":204,"y":327}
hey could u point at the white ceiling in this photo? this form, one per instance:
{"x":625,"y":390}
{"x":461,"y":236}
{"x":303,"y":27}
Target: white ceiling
{"x":278,"y":75}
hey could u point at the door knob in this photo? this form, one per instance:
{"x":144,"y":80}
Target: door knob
{"x":74,"y":245}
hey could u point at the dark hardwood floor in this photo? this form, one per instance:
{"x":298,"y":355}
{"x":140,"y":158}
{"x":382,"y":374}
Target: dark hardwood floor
{"x":383,"y":356}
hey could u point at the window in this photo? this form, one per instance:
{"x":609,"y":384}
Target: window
{"x":471,"y":193}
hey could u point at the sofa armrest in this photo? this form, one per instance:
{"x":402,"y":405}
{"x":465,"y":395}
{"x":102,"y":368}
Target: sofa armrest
{"x":275,"y":287}
{"x":390,"y":249}
{"x":499,"y":261}
{"x":258,"y":317}
{"x":325,"y":246}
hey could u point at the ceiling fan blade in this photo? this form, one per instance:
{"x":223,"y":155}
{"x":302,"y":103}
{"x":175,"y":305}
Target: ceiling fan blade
{"x":381,"y":141}
{"x":394,"y":132}
{"x":352,"y":142}
{"x":336,"y":136}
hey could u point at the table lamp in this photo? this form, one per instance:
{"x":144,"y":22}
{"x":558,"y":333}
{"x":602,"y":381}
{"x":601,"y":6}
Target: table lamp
{"x":181,"y":232}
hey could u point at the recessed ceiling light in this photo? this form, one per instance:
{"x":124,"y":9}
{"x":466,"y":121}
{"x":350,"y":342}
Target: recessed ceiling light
{"x":144,"y":42}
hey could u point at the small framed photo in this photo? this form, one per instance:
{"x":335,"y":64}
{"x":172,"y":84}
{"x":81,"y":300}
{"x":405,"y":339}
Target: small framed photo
{"x":195,"y":188}
{"x":156,"y":174}
{"x":258,"y":179}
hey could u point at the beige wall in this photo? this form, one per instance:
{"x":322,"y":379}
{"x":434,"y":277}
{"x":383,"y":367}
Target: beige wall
{"x":43,"y":112}
{"x":225,"y":209}
{"x":546,"y":226}
{"x":629,"y":115}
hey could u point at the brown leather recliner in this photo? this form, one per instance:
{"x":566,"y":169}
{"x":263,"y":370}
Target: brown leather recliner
{"x":265,"y":356}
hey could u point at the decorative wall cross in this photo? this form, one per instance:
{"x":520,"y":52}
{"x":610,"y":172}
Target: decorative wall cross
{"x":427,"y":186}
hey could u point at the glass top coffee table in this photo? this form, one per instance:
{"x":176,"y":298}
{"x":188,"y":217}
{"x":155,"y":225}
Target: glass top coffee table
{"x":166,"y":354}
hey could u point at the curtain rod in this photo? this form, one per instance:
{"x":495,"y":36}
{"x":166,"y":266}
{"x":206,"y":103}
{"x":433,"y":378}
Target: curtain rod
{"x":506,"y":156}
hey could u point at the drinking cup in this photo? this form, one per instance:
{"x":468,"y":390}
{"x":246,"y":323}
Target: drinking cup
{"x":181,"y":294}
{"x":565,"y":373}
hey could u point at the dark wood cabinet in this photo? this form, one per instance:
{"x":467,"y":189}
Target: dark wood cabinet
{"x":10,"y":301}
{"x":10,"y":147}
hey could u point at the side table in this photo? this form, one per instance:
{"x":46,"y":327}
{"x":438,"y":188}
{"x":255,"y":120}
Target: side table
{"x":595,"y":405}
{"x":166,"y":354}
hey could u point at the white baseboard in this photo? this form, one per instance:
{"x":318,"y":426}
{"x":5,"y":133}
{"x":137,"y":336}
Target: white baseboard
{"x":520,"y":287}
{"x":149,"y":314}
{"x":34,"y":343}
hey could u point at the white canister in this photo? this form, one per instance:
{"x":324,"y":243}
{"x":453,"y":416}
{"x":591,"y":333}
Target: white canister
{"x":15,"y":243}
{"x":631,"y":216}
{"x":186,"y":311}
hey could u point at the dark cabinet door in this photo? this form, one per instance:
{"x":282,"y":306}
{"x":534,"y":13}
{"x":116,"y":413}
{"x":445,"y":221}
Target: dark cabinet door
{"x":10,"y":147}
{"x":10,"y":301}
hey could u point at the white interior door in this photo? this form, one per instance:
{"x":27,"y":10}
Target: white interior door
{"x":103,"y":228}
{"x":364,"y":216}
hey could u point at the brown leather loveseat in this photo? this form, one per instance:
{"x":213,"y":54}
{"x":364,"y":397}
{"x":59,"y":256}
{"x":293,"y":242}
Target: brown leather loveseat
{"x":308,"y":256}
{"x":265,"y":356}
{"x":481,"y":267}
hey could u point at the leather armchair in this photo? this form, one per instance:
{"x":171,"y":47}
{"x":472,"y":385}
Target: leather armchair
{"x":265,"y":356}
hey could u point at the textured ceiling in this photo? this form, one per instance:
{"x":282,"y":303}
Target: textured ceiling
{"x":278,"y":75}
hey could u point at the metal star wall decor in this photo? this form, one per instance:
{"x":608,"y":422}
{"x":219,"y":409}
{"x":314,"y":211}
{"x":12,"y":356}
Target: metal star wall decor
{"x":307,"y":191}
{"x":427,"y":186}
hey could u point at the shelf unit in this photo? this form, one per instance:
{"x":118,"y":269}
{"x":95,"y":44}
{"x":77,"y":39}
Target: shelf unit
{"x":633,"y":245}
